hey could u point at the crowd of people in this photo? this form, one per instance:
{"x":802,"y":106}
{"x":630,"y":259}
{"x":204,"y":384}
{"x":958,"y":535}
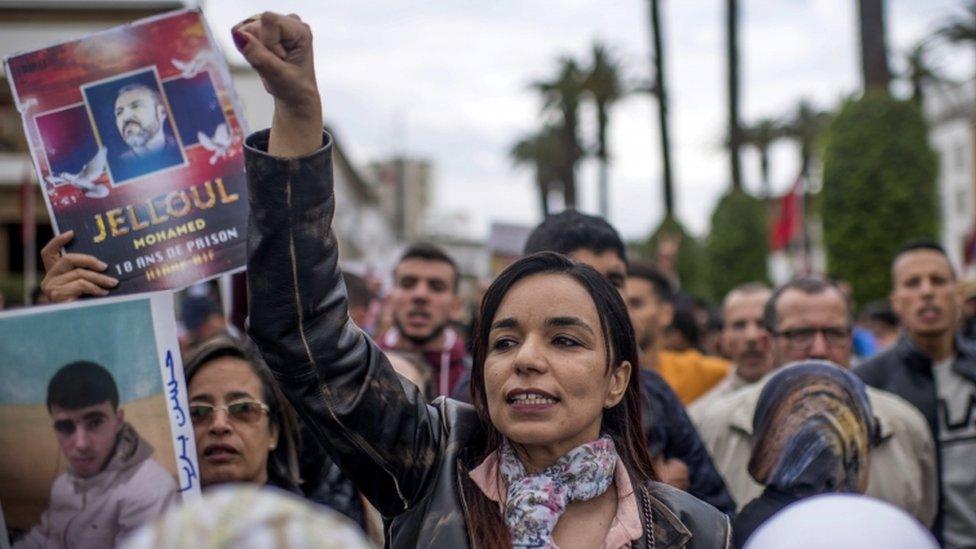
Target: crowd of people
{"x":582,"y":407}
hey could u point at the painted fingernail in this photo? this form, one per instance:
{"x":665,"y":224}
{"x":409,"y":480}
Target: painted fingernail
{"x":240,"y":39}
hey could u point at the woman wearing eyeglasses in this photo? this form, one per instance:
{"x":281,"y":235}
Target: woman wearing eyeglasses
{"x":247,"y":432}
{"x":244,"y":428}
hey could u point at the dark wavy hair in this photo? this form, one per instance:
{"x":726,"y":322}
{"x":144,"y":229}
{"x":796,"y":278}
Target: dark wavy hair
{"x":621,"y":422}
{"x":283,"y":468}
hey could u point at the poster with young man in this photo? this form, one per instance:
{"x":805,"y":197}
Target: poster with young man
{"x":95,"y":433}
{"x":136,"y":137}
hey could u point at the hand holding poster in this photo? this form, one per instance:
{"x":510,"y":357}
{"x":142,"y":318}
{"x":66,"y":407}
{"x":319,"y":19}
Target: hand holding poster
{"x":95,"y":434}
{"x":136,"y":137}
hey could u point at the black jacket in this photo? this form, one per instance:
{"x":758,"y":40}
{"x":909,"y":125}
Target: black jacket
{"x":907,"y":372}
{"x":402,"y":453}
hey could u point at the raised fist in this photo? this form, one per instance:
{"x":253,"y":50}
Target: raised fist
{"x":279,"y":47}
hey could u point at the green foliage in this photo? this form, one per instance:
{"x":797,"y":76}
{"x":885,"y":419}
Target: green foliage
{"x":879,"y":190}
{"x":736,"y":245}
{"x":690,"y":262}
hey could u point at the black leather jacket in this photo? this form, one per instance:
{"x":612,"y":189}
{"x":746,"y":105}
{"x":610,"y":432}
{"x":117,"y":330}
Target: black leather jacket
{"x":402,"y":453}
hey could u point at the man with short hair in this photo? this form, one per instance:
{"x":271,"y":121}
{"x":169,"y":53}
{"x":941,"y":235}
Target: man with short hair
{"x":141,"y":120}
{"x":935,"y":370}
{"x":649,"y":301}
{"x":586,"y":238}
{"x":745,"y":341}
{"x":679,"y":456}
{"x":424,"y":300}
{"x":113,"y":485}
{"x":140,"y":117}
{"x":810,"y":318}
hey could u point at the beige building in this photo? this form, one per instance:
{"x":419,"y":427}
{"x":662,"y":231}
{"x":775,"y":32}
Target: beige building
{"x":949,"y":110}
{"x":404,"y":187}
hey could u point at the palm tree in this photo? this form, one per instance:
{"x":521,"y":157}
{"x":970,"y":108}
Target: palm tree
{"x":735,"y":128}
{"x":562,"y":95}
{"x":660,"y":90}
{"x":919,"y":72}
{"x":961,"y":29}
{"x":804,"y":127}
{"x":761,"y":136}
{"x":544,"y":152}
{"x":874,"y":55}
{"x":604,"y":84}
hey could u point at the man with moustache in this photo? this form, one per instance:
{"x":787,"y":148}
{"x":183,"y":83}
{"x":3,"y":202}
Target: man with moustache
{"x":423,"y":301}
{"x":935,"y":370}
{"x":745,"y":341}
{"x":140,"y":117}
{"x":810,"y":318}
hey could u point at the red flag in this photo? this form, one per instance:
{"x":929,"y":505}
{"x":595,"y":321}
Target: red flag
{"x":788,"y":221}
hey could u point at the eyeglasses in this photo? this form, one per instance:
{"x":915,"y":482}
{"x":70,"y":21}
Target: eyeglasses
{"x":242,"y":411}
{"x":803,"y":338}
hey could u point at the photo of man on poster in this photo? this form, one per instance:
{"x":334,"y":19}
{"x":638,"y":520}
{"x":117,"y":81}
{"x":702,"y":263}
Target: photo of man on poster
{"x":113,"y":485}
{"x":140,"y":116}
{"x":133,"y":121}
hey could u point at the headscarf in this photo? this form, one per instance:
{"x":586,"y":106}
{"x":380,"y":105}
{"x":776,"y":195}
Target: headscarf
{"x":812,"y":431}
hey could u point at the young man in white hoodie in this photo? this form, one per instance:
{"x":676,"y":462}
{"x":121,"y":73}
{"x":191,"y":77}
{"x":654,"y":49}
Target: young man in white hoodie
{"x":113,"y":485}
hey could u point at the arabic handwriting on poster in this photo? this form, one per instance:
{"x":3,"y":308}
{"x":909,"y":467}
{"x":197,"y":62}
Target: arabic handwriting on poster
{"x":173,"y":389}
{"x":187,"y":467}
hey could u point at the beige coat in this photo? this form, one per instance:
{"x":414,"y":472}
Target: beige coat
{"x":901,"y":470}
{"x":97,"y":512}
{"x":726,"y":387}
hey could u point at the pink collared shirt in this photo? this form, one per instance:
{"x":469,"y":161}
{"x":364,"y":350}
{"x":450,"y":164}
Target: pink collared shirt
{"x":625,"y":527}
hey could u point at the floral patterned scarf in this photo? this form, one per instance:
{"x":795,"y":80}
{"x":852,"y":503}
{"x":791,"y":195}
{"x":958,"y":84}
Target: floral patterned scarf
{"x":534,"y":503}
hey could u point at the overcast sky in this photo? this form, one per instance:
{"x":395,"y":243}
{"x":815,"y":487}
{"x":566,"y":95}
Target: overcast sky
{"x":448,"y":81}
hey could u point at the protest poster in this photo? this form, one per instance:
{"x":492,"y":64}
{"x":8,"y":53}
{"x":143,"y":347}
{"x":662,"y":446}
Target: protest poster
{"x":136,"y":134}
{"x":93,"y":413}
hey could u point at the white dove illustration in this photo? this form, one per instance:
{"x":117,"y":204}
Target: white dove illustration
{"x":219,"y":144}
{"x":193,"y":67}
{"x":85,"y":179}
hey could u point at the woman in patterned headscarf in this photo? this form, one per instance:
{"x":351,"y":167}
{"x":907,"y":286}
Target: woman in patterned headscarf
{"x":812,"y":433}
